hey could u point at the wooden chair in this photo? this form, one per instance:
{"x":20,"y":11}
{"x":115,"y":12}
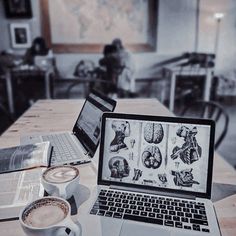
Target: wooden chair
{"x":209,"y":110}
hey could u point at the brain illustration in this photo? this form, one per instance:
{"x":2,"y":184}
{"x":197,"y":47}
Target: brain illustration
{"x":152,"y":157}
{"x":153,"y":133}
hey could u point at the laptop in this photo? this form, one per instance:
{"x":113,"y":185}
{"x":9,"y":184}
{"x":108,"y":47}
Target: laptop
{"x":154,"y":177}
{"x":80,"y":145}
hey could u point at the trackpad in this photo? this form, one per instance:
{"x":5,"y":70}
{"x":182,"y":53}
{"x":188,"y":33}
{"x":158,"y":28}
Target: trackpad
{"x":142,"y":229}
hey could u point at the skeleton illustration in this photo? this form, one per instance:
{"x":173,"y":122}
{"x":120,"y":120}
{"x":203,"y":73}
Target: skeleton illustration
{"x":137,"y":174}
{"x":122,"y":130}
{"x":152,"y":157}
{"x":132,"y":142}
{"x":190,"y":150}
{"x":162,"y":178}
{"x":184,"y":178}
{"x":153,"y":133}
{"x":119,"y":167}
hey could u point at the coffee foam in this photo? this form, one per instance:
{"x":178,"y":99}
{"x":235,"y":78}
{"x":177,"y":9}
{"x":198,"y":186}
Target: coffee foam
{"x":60,"y":174}
{"x":45,"y":212}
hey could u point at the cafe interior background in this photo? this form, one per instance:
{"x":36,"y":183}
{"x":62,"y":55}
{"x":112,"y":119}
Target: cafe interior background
{"x":188,"y":40}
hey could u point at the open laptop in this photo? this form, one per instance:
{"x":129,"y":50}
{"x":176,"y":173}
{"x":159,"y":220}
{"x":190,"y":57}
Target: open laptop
{"x":78,"y":146}
{"x":154,"y":177}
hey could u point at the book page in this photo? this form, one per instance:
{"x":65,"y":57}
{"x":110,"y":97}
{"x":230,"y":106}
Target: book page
{"x":20,"y":188}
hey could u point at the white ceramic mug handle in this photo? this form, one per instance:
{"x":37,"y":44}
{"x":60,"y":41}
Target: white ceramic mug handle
{"x":75,"y":228}
{"x":62,"y":192}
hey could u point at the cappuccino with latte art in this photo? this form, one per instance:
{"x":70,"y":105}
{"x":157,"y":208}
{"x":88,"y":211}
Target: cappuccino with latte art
{"x":60,"y":174}
{"x":61,"y":181}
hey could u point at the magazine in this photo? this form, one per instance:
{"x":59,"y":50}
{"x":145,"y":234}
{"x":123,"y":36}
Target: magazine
{"x":25,"y":157}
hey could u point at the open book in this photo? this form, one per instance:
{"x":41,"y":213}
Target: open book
{"x":25,"y":157}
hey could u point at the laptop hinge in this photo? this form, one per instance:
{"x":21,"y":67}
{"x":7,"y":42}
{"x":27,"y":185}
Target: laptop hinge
{"x":169,"y":194}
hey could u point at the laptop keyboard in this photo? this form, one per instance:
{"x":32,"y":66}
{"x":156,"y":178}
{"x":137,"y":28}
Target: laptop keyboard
{"x":166,"y":211}
{"x":63,"y":147}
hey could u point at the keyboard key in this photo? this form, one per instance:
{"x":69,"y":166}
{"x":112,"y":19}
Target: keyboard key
{"x":178,"y":225}
{"x":194,"y":211}
{"x":101,"y":213}
{"x":159,"y":216}
{"x":170,"y":208}
{"x":185,"y":220}
{"x":187,"y":227}
{"x":143,"y":213}
{"x":169,"y":223}
{"x":147,"y":204}
{"x":202,"y":212}
{"x":120,"y":210}
{"x":135,"y":212}
{"x":109,"y":214}
{"x":93,"y":211}
{"x":151,"y":214}
{"x":143,"y":219}
{"x":156,"y":210}
{"x":205,"y":230}
{"x":163,"y":207}
{"x":199,"y":217}
{"x":198,"y":222}
{"x":128,"y":211}
{"x":103,"y":207}
{"x":176,"y":218}
{"x":180,"y":213}
{"x":168,"y":217}
{"x":164,"y":212}
{"x":133,"y":207}
{"x":148,"y":209}
{"x":117,"y":215}
{"x":112,"y":209}
{"x":172,"y":213}
{"x":189,"y":215}
{"x":196,"y":227}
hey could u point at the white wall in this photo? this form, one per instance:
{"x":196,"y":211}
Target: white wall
{"x":175,"y":34}
{"x":226,"y":53}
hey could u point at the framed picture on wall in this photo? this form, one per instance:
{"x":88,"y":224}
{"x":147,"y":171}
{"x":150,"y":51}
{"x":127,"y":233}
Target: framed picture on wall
{"x":87,"y":26}
{"x":18,"y":8}
{"x":20,"y":35}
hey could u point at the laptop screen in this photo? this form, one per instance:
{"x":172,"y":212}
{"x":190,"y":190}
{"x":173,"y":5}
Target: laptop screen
{"x":88,"y":125}
{"x":173,"y":154}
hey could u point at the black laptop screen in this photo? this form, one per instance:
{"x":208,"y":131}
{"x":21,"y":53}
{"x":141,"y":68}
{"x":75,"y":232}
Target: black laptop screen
{"x":157,"y":152}
{"x":88,"y":125}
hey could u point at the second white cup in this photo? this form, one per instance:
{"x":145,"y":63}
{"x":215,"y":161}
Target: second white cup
{"x":61,"y":181}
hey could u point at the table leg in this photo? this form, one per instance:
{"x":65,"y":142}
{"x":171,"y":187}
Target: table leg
{"x":207,"y":90}
{"x":9,"y":92}
{"x":47,"y":83}
{"x":172,"y":92}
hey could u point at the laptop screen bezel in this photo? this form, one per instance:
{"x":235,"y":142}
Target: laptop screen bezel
{"x":208,"y":122}
{"x":83,"y":138}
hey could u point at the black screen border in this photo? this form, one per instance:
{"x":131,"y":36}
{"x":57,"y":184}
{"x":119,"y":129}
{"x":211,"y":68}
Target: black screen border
{"x":84,"y":139}
{"x":208,"y":122}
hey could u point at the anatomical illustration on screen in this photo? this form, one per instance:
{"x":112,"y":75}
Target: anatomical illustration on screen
{"x":158,"y":154}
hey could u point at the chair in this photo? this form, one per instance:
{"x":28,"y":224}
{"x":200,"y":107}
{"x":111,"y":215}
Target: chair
{"x":209,"y":110}
{"x":5,"y":118}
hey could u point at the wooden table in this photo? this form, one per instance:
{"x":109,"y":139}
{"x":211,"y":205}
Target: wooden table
{"x":59,"y":115}
{"x":18,"y":72}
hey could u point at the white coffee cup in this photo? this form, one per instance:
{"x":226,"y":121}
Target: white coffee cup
{"x":61,"y":181}
{"x":48,"y":216}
